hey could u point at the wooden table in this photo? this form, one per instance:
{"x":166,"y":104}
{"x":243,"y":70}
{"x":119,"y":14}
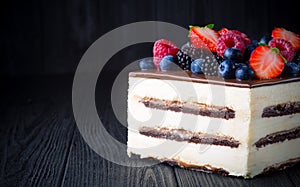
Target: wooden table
{"x":41,"y":145}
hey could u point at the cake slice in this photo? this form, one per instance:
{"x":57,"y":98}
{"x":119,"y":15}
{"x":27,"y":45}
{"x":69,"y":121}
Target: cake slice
{"x":222,"y":104}
{"x":232,"y":127}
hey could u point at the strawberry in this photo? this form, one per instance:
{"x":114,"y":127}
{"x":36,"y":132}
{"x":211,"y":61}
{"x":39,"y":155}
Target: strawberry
{"x":202,"y":37}
{"x":289,"y":36}
{"x":163,"y":48}
{"x":266,"y":62}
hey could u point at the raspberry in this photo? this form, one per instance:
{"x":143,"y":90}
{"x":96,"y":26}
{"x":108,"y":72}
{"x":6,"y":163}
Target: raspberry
{"x":228,"y":41}
{"x":286,"y":49}
{"x":246,"y":40}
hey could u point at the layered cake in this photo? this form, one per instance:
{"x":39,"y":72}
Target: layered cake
{"x":221,"y":103}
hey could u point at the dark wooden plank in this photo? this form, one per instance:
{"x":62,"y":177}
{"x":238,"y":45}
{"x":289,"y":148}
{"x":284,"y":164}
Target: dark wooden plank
{"x":86,"y":168}
{"x":36,"y":130}
{"x":35,"y":145}
{"x":294,"y":174}
{"x":187,"y":177}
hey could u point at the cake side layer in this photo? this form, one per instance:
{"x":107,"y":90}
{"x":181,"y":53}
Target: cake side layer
{"x":278,"y":137}
{"x":237,"y":162}
{"x":189,"y":108}
{"x":139,"y":115}
{"x":200,"y":78}
{"x":268,"y":156}
{"x":189,"y":153}
{"x":189,"y":136}
{"x":282,"y":165}
{"x":281,"y":109}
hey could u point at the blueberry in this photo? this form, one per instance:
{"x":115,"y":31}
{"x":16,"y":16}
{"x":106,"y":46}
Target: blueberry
{"x":196,"y":65}
{"x":233,"y":54}
{"x":244,"y":73}
{"x":249,"y":49}
{"x":291,"y":68}
{"x":147,"y":64}
{"x":239,"y":64}
{"x":227,"y":69}
{"x":168,"y":63}
{"x":265,"y":39}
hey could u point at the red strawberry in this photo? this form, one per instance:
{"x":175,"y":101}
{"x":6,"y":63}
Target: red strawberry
{"x":266,"y":62}
{"x":289,"y":36}
{"x":202,"y":37}
{"x":163,"y":48}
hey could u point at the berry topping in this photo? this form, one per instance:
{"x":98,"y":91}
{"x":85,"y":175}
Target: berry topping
{"x":265,"y":39}
{"x":228,"y":41}
{"x":223,"y":31}
{"x":286,"y":49}
{"x":246,"y":40}
{"x":266,"y":62}
{"x":227,"y":69}
{"x":146,"y":64}
{"x":289,"y":36}
{"x":168,"y":63}
{"x":249,"y":49}
{"x":163,"y":48}
{"x":194,"y":52}
{"x":196,"y":66}
{"x":291,"y":68}
{"x":233,"y":54}
{"x":296,"y":58}
{"x":218,"y":58}
{"x":209,"y":66}
{"x":202,"y":37}
{"x":184,"y":60}
{"x":244,"y":73}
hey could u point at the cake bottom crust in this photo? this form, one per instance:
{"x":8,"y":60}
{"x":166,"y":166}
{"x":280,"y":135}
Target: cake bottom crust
{"x":209,"y":169}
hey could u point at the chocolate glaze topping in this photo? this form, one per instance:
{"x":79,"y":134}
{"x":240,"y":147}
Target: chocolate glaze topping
{"x":200,"y":78}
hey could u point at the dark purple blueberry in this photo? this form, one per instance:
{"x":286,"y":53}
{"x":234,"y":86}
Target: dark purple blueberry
{"x":265,"y":39}
{"x":249,"y":49}
{"x":244,"y":73}
{"x":291,"y":68}
{"x":196,"y":66}
{"x":168,"y":63}
{"x":146,"y":64}
{"x":233,"y":54}
{"x":227,"y":69}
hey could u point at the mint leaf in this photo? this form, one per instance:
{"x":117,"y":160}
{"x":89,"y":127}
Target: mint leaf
{"x":211,"y":26}
{"x":276,"y":50}
{"x":262,"y":44}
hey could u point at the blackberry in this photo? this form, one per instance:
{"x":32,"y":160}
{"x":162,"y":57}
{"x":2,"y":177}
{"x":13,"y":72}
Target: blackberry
{"x":218,"y":58}
{"x":193,"y":52}
{"x":183,"y":60}
{"x":210,"y":65}
{"x":296,"y":58}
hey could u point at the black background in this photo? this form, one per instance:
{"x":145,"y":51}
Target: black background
{"x":49,"y":37}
